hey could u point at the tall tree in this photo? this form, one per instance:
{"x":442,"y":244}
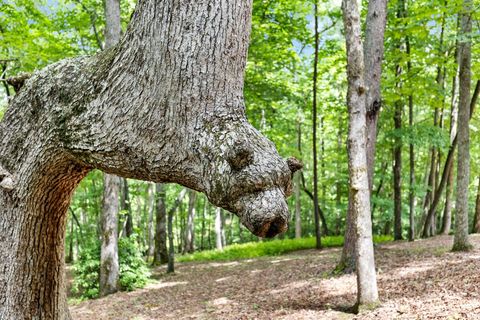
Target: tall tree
{"x":461,"y":240}
{"x":359,"y":193}
{"x":376,"y":21}
{"x":316,"y":213}
{"x":397,"y":148}
{"x":109,"y":265}
{"x":118,"y":112}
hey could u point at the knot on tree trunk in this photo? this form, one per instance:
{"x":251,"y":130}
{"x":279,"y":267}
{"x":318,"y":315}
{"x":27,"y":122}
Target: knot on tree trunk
{"x":18,"y":81}
{"x":7,"y":181}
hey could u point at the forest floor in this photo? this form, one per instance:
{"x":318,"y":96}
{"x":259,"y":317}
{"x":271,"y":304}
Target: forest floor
{"x":419,"y":280}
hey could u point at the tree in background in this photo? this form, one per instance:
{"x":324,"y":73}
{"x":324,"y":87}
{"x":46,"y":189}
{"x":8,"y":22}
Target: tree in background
{"x":109,"y":268}
{"x":461,"y":242}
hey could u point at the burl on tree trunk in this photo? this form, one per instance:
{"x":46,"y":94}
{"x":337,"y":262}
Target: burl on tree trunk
{"x":164,"y":105}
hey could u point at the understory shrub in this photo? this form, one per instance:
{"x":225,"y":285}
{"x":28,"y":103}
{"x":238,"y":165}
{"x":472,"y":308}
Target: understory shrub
{"x":134,"y":272}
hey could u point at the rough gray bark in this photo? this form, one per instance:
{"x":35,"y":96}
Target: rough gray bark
{"x":112,"y":23}
{"x":190,"y":228}
{"x":161,"y":254}
{"x":359,"y":193}
{"x":373,"y":48}
{"x":375,"y":24}
{"x":461,"y":240}
{"x":164,"y":105}
{"x":109,"y":265}
{"x":150,"y":227}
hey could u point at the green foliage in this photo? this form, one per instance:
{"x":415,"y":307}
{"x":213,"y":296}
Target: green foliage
{"x":87,"y":270}
{"x":133,"y":268}
{"x":267,"y":248}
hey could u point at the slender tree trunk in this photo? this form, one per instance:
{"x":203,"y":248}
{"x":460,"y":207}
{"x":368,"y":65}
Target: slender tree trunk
{"x":476,"y":217}
{"x":171,"y":247}
{"x":190,"y":228}
{"x":338,"y":183}
{"x":397,"y":170}
{"x":150,"y":226}
{"x":218,"y":229}
{"x":316,"y":213}
{"x":161,"y":254}
{"x":298,"y":207}
{"x":411,"y":192}
{"x":204,"y":216}
{"x":359,"y":193}
{"x":373,"y":56}
{"x":223,"y":225}
{"x":447,"y":213}
{"x":461,"y":240}
{"x":127,"y":208}
{"x":69,"y":258}
{"x":298,"y":181}
{"x":109,"y":265}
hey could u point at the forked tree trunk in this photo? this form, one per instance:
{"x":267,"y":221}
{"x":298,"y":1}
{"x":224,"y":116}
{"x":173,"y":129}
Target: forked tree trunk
{"x":359,"y":193}
{"x":461,"y":239}
{"x":109,"y":265}
{"x":373,"y":48}
{"x":164,"y":105}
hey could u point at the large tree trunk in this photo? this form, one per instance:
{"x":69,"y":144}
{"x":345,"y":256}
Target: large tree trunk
{"x":109,"y":265}
{"x":461,"y":241}
{"x":164,"y":105}
{"x":359,"y":193}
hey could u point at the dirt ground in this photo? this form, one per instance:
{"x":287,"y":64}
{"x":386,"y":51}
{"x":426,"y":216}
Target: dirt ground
{"x":420,"y":280}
